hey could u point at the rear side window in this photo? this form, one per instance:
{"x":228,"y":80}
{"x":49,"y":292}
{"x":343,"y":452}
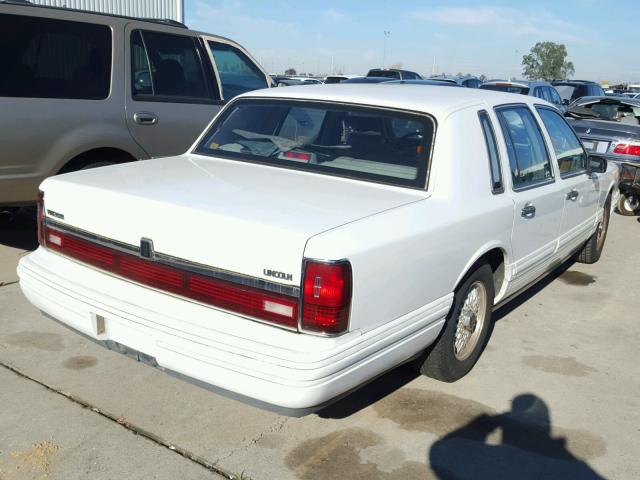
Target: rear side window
{"x":358,"y":142}
{"x":528,"y":157}
{"x":167,"y":67}
{"x":44,"y":58}
{"x":568,"y":149}
{"x":492,"y":152}
{"x":238,"y":74}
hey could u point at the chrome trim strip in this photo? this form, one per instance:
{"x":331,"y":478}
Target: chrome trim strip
{"x":161,"y":258}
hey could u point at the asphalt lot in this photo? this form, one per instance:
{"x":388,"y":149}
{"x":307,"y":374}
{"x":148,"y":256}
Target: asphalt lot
{"x":555,"y":395}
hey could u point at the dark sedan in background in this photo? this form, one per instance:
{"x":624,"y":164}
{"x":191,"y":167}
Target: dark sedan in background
{"x":610,"y":127}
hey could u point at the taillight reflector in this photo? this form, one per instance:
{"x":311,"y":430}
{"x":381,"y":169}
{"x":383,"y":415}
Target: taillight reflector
{"x":627,"y":149}
{"x":326,"y":297}
{"x":253,"y":302}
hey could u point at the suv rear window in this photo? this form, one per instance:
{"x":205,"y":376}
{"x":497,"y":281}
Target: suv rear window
{"x":384,"y":73}
{"x":45,"y":58}
{"x":498,"y":87}
{"x":366,"y":143}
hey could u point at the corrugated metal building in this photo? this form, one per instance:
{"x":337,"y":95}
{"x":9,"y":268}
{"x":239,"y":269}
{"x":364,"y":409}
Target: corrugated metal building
{"x":169,"y":9}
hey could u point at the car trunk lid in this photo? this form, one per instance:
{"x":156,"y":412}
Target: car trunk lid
{"x":249,"y":219}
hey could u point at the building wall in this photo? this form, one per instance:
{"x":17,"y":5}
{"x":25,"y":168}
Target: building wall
{"x":169,"y":9}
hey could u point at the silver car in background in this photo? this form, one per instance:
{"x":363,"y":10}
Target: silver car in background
{"x":543,"y":90}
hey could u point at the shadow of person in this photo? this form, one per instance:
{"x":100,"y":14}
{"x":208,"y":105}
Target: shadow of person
{"x":516,"y":444}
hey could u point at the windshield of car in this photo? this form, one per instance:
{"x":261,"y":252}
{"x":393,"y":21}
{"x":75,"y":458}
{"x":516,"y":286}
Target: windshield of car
{"x":504,"y":87}
{"x":616,"y":112}
{"x":365,"y":143}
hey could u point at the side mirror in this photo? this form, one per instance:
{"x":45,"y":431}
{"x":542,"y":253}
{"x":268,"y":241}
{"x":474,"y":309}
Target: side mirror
{"x":597,"y":164}
{"x":565,"y":102}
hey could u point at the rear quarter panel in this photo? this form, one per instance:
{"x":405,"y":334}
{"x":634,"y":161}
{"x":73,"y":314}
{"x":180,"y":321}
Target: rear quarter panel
{"x":410,"y":256}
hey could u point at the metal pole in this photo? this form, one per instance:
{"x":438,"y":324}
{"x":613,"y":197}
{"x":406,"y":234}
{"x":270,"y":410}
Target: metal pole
{"x":386,"y":34}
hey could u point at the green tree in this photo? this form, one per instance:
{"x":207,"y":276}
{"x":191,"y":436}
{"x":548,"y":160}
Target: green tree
{"x":290,"y":71}
{"x":547,"y":61}
{"x":483,"y":77}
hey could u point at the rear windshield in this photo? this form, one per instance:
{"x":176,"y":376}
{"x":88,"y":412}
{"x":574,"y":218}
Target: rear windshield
{"x":334,"y":79}
{"x":365,"y":143}
{"x":506,"y":88}
{"x":566,"y":92}
{"x":383,"y":73}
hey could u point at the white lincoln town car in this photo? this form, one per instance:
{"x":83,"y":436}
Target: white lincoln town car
{"x":316,"y":237}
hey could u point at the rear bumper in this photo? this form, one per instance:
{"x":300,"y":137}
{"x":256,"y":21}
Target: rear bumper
{"x":267,"y":364}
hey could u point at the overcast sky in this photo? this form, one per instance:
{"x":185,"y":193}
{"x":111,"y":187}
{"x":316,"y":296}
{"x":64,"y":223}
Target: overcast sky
{"x":476,"y":37}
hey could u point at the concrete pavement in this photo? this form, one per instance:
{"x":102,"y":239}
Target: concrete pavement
{"x":555,"y":394}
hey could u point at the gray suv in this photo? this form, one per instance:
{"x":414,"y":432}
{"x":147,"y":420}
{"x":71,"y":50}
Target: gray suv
{"x":81,"y":90}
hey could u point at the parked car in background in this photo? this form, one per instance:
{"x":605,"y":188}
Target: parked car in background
{"x":610,"y":126}
{"x":329,"y":79}
{"x":571,"y":90}
{"x":81,"y":90}
{"x":468,"y":81}
{"x":632,"y":94}
{"x":394,"y":73}
{"x":368,"y":80}
{"x":543,"y":90}
{"x":437,"y":83}
{"x":280,"y":81}
{"x":317,"y":237}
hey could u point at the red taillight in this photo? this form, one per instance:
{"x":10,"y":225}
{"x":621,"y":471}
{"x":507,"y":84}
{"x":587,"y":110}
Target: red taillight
{"x":326,"y":297}
{"x":40,"y":220}
{"x":261,"y":304}
{"x":627,"y":149}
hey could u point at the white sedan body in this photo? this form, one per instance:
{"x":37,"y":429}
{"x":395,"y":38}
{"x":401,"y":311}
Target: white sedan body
{"x":408,"y":248}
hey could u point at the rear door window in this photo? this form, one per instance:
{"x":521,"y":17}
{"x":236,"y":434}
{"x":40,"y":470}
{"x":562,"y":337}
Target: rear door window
{"x":358,"y":142}
{"x":528,"y":157}
{"x":45,"y":58}
{"x":168,"y":68}
{"x":568,"y":149}
{"x":238,"y":73}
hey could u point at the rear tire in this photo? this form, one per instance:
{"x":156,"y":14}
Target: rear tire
{"x":592,"y":250}
{"x":628,"y":205}
{"x":451,"y":358}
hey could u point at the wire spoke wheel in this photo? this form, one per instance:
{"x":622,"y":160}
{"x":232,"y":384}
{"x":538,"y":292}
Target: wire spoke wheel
{"x":470,"y":321}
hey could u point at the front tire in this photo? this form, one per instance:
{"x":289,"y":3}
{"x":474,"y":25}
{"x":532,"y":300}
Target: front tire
{"x":592,"y":250}
{"x":628,"y":205}
{"x":465,"y":331}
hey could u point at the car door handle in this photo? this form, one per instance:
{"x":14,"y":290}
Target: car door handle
{"x":573,"y":195}
{"x":529,"y":210}
{"x":145,"y":118}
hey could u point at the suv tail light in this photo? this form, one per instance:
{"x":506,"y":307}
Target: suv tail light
{"x":41,"y":239}
{"x":627,"y":149}
{"x":326,"y":297}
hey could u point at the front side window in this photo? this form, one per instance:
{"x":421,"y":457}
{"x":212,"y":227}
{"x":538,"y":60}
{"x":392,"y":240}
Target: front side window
{"x":45,"y":58}
{"x":364,"y":143}
{"x":555,"y":98}
{"x":167,"y":67}
{"x":568,"y":149}
{"x":238,"y":74}
{"x":528,"y":157}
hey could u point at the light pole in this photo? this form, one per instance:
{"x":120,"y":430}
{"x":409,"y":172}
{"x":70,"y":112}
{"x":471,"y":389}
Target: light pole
{"x":386,"y":34}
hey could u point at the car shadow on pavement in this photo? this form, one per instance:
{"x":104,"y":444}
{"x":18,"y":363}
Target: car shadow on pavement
{"x":515,"y":444}
{"x":19,"y":229}
{"x":370,"y":393}
{"x":532,"y":290}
